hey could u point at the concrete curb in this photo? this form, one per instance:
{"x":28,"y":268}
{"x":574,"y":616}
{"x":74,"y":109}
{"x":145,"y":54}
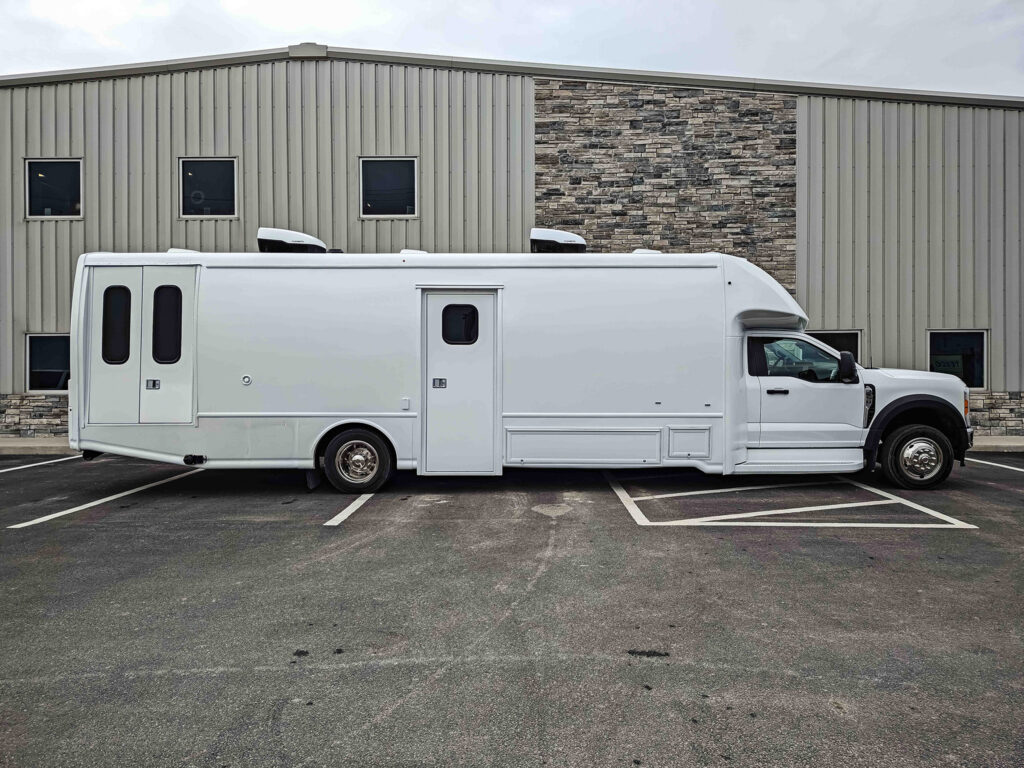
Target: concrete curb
{"x":35,"y":446}
{"x":999,"y":443}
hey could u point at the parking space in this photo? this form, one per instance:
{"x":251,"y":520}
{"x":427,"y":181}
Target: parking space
{"x":179,"y":617}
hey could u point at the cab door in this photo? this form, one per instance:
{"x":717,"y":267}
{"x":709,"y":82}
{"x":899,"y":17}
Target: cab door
{"x":803,"y":402}
{"x":168,"y":336}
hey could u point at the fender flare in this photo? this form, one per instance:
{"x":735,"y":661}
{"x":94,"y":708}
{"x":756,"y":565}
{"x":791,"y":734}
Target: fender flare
{"x":357,"y":422}
{"x":906,"y":403}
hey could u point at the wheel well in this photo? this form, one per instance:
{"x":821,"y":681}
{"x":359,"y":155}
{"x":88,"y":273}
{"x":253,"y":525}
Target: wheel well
{"x":932,"y":417}
{"x":325,"y":439}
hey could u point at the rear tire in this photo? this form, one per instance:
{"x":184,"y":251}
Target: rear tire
{"x":917,"y":457}
{"x":357,"y":461}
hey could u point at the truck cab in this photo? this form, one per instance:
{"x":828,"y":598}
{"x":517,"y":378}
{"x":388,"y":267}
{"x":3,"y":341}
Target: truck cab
{"x":806,"y":398}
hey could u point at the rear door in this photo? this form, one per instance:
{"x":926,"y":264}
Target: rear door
{"x":168,"y":338}
{"x":114,"y":318}
{"x":803,"y":403}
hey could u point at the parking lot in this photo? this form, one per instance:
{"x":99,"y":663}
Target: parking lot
{"x":161,"y":615}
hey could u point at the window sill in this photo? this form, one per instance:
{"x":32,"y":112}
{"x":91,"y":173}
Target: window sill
{"x":54,"y":218}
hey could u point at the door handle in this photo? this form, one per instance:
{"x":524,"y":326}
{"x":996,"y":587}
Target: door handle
{"x":778,"y":391}
{"x":152,"y":383}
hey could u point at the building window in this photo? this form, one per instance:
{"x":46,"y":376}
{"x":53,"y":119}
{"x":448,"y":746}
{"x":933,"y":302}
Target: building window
{"x":49,"y":362}
{"x":459,"y":324}
{"x":208,"y":188}
{"x":388,"y":187}
{"x":167,"y":324}
{"x":844,"y":341}
{"x":961,"y":353}
{"x":53,"y":189}
{"x":117,"y":318}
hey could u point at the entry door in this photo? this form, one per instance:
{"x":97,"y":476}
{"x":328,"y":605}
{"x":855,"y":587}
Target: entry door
{"x":168,"y":335}
{"x":460,"y":384}
{"x":803,"y":404}
{"x":114,"y":318}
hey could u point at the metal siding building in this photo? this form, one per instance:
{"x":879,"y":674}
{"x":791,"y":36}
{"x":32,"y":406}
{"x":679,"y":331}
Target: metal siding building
{"x":907,"y":204}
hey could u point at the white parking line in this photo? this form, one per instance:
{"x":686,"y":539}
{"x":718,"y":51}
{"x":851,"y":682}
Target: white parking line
{"x":730,"y":490}
{"x":993,"y":464}
{"x":104,"y":500}
{"x":40,"y":463}
{"x":346,"y":513}
{"x":744,"y":518}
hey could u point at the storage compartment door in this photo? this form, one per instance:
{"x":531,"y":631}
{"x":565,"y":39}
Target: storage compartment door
{"x":168,"y":345}
{"x":114,"y":334}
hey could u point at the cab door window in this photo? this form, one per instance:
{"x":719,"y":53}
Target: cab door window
{"x":793,"y":358}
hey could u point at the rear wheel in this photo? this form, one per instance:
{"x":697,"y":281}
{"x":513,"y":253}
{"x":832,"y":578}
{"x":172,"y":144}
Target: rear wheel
{"x":357,"y":461}
{"x":917,"y":456}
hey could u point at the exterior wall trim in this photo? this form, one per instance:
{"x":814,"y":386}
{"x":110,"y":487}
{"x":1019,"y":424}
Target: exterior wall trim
{"x":532,"y":69}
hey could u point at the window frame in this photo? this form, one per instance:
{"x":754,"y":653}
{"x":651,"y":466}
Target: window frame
{"x":476,"y":325}
{"x":28,"y":366}
{"x":819,"y":345}
{"x":181,"y":189}
{"x":984,"y":351}
{"x":416,"y":187}
{"x":81,"y":188}
{"x":857,"y":331}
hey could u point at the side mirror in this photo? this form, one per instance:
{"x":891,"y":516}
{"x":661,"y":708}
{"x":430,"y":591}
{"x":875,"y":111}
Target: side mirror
{"x":847,"y":368}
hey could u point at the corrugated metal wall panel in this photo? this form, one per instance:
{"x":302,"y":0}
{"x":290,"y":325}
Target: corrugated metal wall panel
{"x":297,"y":128}
{"x":911,"y":220}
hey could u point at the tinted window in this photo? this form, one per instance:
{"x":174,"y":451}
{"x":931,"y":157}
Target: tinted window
{"x":207,"y":187}
{"x":389,"y":187}
{"x":459,"y":324}
{"x":54,"y":187}
{"x":844,"y":341}
{"x":167,"y":324}
{"x":961,"y":353}
{"x":793,"y":358}
{"x":49,"y":362}
{"x":117,"y":317}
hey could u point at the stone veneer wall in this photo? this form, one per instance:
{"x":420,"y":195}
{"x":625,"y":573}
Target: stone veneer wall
{"x":33,"y":415}
{"x":675,"y":169}
{"x":997,"y":413}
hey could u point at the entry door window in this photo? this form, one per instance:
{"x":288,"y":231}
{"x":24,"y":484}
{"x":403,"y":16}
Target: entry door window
{"x":460,"y":324}
{"x":793,"y":358}
{"x":117,"y":319}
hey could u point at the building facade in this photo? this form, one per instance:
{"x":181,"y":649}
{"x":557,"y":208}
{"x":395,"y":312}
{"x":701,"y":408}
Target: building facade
{"x":894,"y":217}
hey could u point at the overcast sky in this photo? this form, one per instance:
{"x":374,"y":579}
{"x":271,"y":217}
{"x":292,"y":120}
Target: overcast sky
{"x":955,"y":45}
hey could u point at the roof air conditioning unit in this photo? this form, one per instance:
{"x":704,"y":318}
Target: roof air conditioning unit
{"x":555,"y":241}
{"x":273,"y":240}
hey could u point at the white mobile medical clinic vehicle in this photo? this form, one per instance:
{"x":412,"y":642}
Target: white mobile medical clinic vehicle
{"x":463,"y":364}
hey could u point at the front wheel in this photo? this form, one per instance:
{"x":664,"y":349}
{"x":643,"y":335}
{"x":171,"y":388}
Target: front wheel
{"x":357,"y":461}
{"x":917,"y":456}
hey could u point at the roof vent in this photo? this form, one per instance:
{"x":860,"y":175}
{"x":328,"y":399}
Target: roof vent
{"x":412,"y":250}
{"x":555,"y":241}
{"x":644,"y":250}
{"x":273,"y":240}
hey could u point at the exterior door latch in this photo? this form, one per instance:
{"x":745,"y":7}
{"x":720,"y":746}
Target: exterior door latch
{"x":440,"y":383}
{"x":152,"y":383}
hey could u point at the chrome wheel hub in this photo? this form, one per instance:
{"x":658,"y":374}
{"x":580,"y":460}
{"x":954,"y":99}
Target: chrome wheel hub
{"x":921,"y":458}
{"x":357,"y":461}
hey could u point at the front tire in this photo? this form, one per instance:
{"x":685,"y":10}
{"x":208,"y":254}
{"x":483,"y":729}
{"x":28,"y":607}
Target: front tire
{"x":917,"y":457}
{"x":357,"y":461}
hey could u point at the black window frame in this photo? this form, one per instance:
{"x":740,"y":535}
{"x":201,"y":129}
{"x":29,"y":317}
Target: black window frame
{"x":106,"y":323}
{"x":29,"y":338}
{"x":983,"y":332}
{"x":363,"y":161}
{"x":181,"y":188}
{"x":474,"y":327}
{"x":160,"y":325}
{"x":29,"y":163}
{"x":757,"y":365}
{"x":855,"y":332}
